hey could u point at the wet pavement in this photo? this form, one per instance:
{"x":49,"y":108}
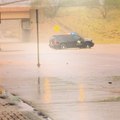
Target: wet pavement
{"x":12,"y":109}
{"x":70,"y":84}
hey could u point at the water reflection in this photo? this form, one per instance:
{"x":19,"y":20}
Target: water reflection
{"x":82,"y":93}
{"x":38,"y":85}
{"x":46,"y":91}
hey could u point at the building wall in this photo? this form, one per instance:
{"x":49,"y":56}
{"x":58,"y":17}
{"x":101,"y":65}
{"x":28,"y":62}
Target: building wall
{"x":13,"y":25}
{"x":15,"y":15}
{"x":10,"y":30}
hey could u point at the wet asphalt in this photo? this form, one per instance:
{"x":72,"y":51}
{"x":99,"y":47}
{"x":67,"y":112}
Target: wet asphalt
{"x":69,"y":84}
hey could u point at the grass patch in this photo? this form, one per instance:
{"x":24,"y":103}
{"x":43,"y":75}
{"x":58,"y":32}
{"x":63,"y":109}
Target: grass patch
{"x":90,"y":24}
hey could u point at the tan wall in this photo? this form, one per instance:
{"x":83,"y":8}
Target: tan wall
{"x":15,"y":12}
{"x":15,"y":15}
{"x":10,"y":30}
{"x":12,"y":26}
{"x":15,"y":9}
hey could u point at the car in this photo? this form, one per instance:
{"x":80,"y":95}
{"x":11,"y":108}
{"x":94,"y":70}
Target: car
{"x":71,"y":40}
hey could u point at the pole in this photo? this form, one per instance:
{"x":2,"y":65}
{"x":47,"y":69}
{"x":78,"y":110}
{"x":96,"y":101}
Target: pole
{"x":38,"y":47}
{"x":0,"y":17}
{"x":0,"y":23}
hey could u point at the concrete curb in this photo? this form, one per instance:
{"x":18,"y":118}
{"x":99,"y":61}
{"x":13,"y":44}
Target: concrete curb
{"x":14,"y":108}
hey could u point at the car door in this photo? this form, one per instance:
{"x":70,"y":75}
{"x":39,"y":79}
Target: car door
{"x":69,"y":41}
{"x":75,"y":40}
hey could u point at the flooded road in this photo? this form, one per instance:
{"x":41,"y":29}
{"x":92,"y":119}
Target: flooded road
{"x":70,"y":84}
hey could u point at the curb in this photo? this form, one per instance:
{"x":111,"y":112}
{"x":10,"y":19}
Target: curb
{"x":14,"y":108}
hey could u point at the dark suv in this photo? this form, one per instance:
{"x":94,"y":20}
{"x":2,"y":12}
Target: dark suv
{"x":69,"y":40}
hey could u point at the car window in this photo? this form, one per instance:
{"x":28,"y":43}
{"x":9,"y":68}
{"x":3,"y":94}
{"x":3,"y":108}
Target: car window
{"x":76,"y":37}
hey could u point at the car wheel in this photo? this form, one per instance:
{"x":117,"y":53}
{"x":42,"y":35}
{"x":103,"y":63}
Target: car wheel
{"x":88,"y":46}
{"x":62,"y":46}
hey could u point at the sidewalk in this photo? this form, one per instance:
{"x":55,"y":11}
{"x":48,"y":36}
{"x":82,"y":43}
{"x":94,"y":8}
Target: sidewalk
{"x":12,"y":110}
